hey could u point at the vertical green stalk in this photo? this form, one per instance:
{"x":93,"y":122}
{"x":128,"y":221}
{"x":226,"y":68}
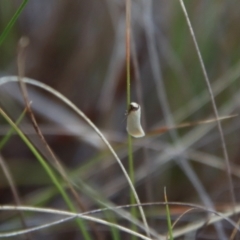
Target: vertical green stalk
{"x":128,"y":37}
{"x":12,"y":21}
{"x":112,"y":219}
{"x":170,"y":234}
{"x":128,"y":76}
{"x":132,"y":177}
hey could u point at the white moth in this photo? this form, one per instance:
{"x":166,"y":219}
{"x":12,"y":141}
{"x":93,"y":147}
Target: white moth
{"x":134,"y":127}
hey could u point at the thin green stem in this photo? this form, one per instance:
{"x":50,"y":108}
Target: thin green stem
{"x":132,"y":177}
{"x":4,"y":80}
{"x":128,"y":76}
{"x":11,"y":131}
{"x":50,"y":173}
{"x":12,"y":21}
{"x":128,"y":41}
{"x":114,"y":231}
{"x":170,"y":233}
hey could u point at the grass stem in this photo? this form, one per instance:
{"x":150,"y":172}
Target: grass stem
{"x":12,"y":21}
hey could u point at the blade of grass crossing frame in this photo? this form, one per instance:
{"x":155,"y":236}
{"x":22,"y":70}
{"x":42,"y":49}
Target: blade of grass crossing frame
{"x":128,"y":78}
{"x":12,"y":21}
{"x":50,"y":173}
{"x":11,"y":131}
{"x":215,"y":110}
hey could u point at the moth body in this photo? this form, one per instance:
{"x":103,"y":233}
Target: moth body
{"x":134,"y":127}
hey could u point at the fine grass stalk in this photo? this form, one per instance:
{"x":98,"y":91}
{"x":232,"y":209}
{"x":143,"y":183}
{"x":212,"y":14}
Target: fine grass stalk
{"x":48,"y":171}
{"x":214,"y":106}
{"x":170,"y":233}
{"x":12,"y":21}
{"x":47,"y":88}
{"x":6,"y":138}
{"x":128,"y":79}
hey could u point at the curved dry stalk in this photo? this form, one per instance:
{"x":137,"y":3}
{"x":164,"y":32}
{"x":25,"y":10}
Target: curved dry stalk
{"x":179,"y":232}
{"x":70,"y":217}
{"x":23,"y":43}
{"x":110,"y":206}
{"x":178,"y":219}
{"x":8,"y":79}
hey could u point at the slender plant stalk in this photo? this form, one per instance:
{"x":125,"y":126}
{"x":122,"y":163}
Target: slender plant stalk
{"x":128,"y":50}
{"x":57,"y":94}
{"x":8,"y":174}
{"x":168,"y":216}
{"x":49,"y":172}
{"x":23,"y":43}
{"x":214,"y":106}
{"x":11,"y":131}
{"x":192,"y":227}
{"x":128,"y":77}
{"x":12,"y":21}
{"x":15,"y":193}
{"x":70,"y":216}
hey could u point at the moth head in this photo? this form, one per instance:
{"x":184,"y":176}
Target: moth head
{"x":133,"y":107}
{"x":134,"y":127}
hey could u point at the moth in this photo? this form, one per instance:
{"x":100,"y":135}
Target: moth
{"x":134,"y":127}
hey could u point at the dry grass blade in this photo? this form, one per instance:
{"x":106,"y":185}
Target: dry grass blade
{"x":23,"y":43}
{"x":179,"y":218}
{"x":70,"y":216}
{"x":8,"y":79}
{"x":164,"y":103}
{"x":188,"y":124}
{"x":176,"y":233}
{"x":225,"y":153}
{"x":14,"y":192}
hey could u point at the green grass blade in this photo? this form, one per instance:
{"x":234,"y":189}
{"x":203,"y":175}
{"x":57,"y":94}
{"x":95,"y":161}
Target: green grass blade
{"x":168,"y":217}
{"x":4,"y":80}
{"x":114,"y":231}
{"x":50,"y":173}
{"x":132,"y":177}
{"x":12,"y":21}
{"x":11,"y":131}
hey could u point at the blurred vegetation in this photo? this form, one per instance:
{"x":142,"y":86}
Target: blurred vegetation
{"x":78,"y":48}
